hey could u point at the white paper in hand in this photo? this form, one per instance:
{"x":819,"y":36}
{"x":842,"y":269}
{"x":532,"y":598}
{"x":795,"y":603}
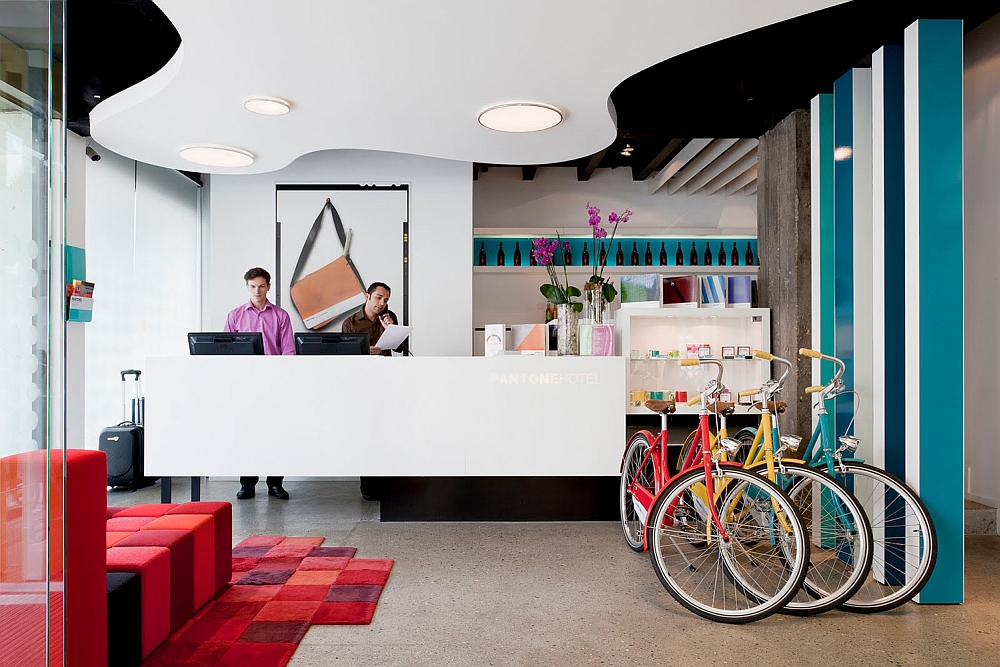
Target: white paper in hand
{"x":393,"y":336}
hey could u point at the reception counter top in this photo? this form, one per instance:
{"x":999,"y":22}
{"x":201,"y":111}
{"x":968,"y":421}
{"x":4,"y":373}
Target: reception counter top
{"x":321,"y":416}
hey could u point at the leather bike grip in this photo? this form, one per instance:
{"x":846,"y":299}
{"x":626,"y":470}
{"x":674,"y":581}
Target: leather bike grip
{"x":694,"y":401}
{"x":690,"y":362}
{"x":814,"y":389}
{"x":761,"y":354}
{"x":806,"y":352}
{"x":749,"y":392}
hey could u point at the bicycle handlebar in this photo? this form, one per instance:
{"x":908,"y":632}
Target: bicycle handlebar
{"x":690,"y":362}
{"x":814,"y":389}
{"x":761,"y":354}
{"x":694,"y":401}
{"x":806,"y":352}
{"x":749,"y":392}
{"x":815,"y":354}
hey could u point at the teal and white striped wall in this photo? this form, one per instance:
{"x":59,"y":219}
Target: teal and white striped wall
{"x":888,"y":268}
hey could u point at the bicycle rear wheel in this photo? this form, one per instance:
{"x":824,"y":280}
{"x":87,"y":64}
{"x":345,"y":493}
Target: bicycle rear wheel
{"x":633,"y":514}
{"x":766,"y":550}
{"x":840,"y":536}
{"x":905,"y":544}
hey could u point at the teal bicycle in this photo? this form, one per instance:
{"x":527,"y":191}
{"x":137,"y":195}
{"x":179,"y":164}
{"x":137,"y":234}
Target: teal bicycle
{"x":905,"y":544}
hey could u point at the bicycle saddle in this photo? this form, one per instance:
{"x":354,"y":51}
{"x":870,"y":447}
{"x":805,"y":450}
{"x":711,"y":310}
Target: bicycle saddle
{"x":778,"y":407}
{"x":719,"y":407}
{"x":664,"y":407}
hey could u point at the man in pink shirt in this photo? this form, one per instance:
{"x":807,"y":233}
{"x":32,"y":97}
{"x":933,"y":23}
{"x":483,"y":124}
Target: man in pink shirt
{"x":273,"y":323}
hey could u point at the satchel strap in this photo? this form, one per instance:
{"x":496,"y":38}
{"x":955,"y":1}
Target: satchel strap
{"x":311,"y":240}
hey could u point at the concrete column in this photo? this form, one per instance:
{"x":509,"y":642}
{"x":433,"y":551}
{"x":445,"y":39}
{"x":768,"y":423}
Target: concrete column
{"x":784,"y":246}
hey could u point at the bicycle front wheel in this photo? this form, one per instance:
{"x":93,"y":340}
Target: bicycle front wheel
{"x":905,"y":544}
{"x":633,"y":514}
{"x":765,"y":551}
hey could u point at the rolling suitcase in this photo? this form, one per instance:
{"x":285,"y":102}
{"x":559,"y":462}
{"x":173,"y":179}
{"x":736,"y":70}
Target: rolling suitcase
{"x":123,"y":443}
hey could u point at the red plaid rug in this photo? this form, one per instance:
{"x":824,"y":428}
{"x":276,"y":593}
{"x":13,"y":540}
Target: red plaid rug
{"x":280,"y":586}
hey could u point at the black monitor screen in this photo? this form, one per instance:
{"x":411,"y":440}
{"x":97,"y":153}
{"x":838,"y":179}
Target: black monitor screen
{"x":315,"y":342}
{"x":226,"y":343}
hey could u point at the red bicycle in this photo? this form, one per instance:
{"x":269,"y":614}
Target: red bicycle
{"x":727,"y":544}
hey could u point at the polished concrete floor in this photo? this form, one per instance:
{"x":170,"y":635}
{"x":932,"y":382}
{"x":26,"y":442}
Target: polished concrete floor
{"x":573,"y":594}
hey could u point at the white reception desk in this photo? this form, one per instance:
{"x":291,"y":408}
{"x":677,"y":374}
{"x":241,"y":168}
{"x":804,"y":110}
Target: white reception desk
{"x":382,"y":416}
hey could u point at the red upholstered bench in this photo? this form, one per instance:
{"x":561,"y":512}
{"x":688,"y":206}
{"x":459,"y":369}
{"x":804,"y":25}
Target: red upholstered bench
{"x":222,"y":514}
{"x":181,"y":546}
{"x":152,"y":564}
{"x":148,"y":510}
{"x":114,"y":510}
{"x":126,"y":524}
{"x":203,"y":528}
{"x":114,"y":537}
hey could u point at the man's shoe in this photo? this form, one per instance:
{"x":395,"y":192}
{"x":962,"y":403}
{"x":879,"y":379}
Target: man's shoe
{"x":245,"y":492}
{"x":369,"y":496}
{"x":277,"y":492}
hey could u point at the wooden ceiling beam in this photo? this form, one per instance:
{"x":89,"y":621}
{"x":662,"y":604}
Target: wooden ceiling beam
{"x":583,"y":173}
{"x":666,"y":153}
{"x":691,"y":150}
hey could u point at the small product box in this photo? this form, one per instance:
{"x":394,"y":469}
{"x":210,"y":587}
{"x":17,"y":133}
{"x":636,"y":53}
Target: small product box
{"x":495,"y":339}
{"x":640,"y":290}
{"x":680,"y":291}
{"x":528,"y":338}
{"x":602,"y":340}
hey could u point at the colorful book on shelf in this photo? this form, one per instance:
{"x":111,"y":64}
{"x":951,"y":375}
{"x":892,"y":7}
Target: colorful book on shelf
{"x":739,"y":295}
{"x":602,"y":340}
{"x":525,"y":337}
{"x":495,"y":339}
{"x":713,"y":291}
{"x":640,"y":288}
{"x":680,"y":291}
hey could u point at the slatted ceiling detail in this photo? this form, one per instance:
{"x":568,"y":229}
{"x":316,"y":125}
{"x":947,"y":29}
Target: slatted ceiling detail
{"x":741,"y":181}
{"x":739,"y":158}
{"x":750,"y":189}
{"x":686,"y":154}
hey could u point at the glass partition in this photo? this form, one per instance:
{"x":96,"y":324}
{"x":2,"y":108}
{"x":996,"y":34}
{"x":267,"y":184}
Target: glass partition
{"x":32,"y":141}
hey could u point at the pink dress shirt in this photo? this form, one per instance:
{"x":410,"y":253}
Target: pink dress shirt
{"x":273,"y":322}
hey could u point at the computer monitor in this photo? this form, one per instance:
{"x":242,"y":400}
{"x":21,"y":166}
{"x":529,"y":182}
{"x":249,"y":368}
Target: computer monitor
{"x":225,"y":343}
{"x":319,"y":342}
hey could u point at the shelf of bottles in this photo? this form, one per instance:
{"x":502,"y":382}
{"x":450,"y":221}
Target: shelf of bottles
{"x":512,"y":252}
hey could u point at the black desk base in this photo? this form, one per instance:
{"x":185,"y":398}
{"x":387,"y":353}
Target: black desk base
{"x":165,"y":489}
{"x":499,"y":498}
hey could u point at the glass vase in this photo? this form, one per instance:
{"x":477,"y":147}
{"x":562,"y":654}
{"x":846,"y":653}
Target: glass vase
{"x":567,"y":341}
{"x":595,"y":306}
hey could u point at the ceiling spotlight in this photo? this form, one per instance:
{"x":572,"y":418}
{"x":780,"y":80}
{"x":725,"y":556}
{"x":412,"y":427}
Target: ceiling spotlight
{"x":217,"y":156}
{"x":520,"y":117}
{"x":627,"y":151}
{"x":267,"y":106}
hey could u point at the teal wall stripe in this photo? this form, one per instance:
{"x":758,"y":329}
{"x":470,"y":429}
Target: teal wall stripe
{"x":843,"y":187}
{"x":826,"y":234}
{"x":893,"y":267}
{"x":941,"y":300}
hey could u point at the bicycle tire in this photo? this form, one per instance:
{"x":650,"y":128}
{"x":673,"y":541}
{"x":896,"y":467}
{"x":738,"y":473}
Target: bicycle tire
{"x":632,"y":519}
{"x":841,"y":545}
{"x":917,"y":551}
{"x":693,"y":568}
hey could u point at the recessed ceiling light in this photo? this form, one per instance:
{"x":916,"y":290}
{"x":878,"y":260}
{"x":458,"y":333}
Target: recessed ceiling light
{"x":218,"y":156}
{"x":520,"y":117}
{"x":267,"y":106}
{"x":627,"y":151}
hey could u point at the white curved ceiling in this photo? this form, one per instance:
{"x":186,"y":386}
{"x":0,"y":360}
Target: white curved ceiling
{"x":407,"y":77}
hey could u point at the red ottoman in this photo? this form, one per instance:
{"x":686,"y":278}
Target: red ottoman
{"x":152,"y":564}
{"x":150,"y":509}
{"x":126,"y":524}
{"x":181,"y":546}
{"x":113,"y":538}
{"x":222,"y":513}
{"x":203,"y":528}
{"x":114,"y":510}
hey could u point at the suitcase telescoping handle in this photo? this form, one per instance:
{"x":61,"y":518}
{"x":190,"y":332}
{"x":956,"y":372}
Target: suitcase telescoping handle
{"x":131,"y":371}
{"x":134,"y":403}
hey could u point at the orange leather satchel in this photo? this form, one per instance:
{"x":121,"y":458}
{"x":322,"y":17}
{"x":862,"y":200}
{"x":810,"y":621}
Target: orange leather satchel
{"x":335,"y":289}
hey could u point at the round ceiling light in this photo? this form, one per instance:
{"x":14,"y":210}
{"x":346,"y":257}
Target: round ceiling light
{"x":520,"y":117}
{"x":267,"y":106}
{"x":217,"y":156}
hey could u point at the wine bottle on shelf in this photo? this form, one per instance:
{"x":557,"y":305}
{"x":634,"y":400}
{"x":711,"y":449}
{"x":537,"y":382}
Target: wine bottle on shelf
{"x":500,"y":257}
{"x":663,"y":253}
{"x":619,"y":256}
{"x":694,"y":255}
{"x":482,"y":253}
{"x":648,"y":259}
{"x":548,"y":312}
{"x":586,"y":255}
{"x":517,"y":253}
{"x":722,"y":254}
{"x":708,"y":254}
{"x":635,"y":254}
{"x":568,"y":258}
{"x":532,"y":260}
{"x":679,"y":257}
{"x":735,"y":256}
{"x":604,"y":255}
{"x":749,"y":255}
